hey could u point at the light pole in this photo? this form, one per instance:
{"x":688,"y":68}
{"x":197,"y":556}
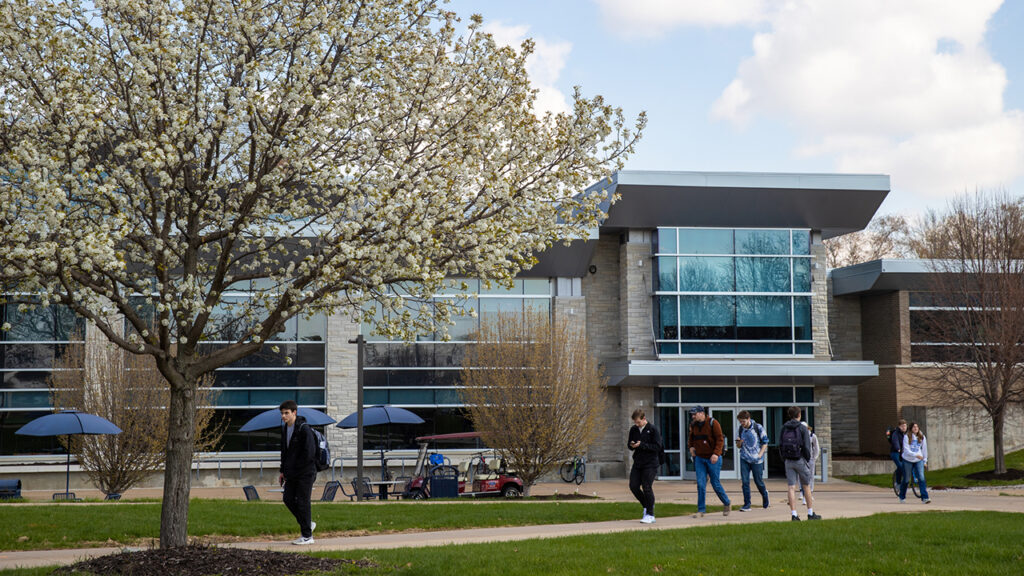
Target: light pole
{"x":359,"y":342}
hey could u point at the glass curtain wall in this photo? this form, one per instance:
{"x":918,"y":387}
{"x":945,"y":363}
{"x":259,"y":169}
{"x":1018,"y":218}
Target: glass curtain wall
{"x":733,"y":292}
{"x":38,"y":337}
{"x":423,"y":376}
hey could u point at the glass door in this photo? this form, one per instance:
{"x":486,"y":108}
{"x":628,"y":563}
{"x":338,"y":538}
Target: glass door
{"x":730,"y":462}
{"x":727,"y":420}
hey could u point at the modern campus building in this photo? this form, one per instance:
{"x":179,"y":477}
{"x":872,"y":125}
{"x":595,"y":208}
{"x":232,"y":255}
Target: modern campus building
{"x":697,"y":288}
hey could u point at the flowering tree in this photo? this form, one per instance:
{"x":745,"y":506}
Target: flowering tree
{"x":160,"y":154}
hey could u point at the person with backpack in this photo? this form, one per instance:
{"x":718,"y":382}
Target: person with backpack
{"x":915,"y":458}
{"x":706,"y":445}
{"x":645,"y":444}
{"x":795,"y":448}
{"x":813,"y":462}
{"x":752,"y":441}
{"x":299,"y":449}
{"x":896,"y":447}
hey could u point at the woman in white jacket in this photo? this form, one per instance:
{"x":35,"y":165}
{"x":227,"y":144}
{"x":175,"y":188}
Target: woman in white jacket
{"x":915,"y":458}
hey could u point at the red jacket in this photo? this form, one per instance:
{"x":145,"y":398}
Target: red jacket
{"x":706,"y":438}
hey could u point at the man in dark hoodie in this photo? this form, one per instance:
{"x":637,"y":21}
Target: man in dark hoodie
{"x":795,"y":447}
{"x":645,"y":443}
{"x":298,"y":468}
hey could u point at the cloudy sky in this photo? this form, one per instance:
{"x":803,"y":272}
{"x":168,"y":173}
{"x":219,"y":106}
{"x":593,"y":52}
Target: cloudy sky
{"x":930,"y":92}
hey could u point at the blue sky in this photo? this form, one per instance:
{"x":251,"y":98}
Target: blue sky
{"x":930,"y":92}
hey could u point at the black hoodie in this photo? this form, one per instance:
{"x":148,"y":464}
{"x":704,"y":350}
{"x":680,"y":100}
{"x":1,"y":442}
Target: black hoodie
{"x":299,"y":457}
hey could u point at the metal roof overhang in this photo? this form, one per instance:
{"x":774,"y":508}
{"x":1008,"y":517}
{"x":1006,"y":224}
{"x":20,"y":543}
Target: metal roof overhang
{"x":835,"y":204}
{"x":888,"y":275}
{"x":817,"y":372}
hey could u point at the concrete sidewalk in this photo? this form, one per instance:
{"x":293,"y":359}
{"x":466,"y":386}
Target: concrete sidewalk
{"x":836,"y":499}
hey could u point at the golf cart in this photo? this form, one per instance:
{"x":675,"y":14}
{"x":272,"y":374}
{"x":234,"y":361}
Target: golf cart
{"x":484,"y":474}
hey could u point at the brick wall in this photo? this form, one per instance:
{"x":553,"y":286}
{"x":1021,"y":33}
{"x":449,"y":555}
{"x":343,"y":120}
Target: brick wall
{"x":876,"y":399}
{"x":845,"y":426}
{"x":885,"y":325}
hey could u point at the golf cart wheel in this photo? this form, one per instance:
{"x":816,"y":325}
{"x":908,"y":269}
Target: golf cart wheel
{"x":511,"y":491}
{"x":419,"y":495}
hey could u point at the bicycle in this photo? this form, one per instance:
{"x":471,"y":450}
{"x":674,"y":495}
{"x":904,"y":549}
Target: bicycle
{"x":912,"y":485}
{"x":574,"y":469}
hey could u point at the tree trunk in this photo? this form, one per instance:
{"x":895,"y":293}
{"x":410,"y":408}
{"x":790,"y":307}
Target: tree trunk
{"x":997,"y":441}
{"x":178,"y":465}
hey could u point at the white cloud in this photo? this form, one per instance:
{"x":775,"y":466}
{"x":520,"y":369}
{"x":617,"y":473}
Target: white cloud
{"x":544,"y":66}
{"x":655,"y":17}
{"x":905,"y":88}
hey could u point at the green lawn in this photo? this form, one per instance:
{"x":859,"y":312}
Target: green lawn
{"x":74,"y":526}
{"x":952,"y":477}
{"x":932,"y":543}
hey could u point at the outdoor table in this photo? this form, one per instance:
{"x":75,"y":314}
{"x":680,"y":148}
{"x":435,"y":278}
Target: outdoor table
{"x":383,"y":486}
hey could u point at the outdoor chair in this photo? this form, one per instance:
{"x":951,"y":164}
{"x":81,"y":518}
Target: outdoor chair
{"x":330,"y":491}
{"x":250,"y":492}
{"x":65,"y":497}
{"x":362,"y":487}
{"x":400,"y":488}
{"x":112,"y":496}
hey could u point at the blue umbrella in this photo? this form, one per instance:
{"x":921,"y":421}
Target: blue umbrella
{"x":272,"y":419}
{"x":376,"y":415}
{"x":67,"y":423}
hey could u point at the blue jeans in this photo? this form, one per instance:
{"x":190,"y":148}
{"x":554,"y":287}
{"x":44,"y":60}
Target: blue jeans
{"x":706,"y":469}
{"x":917,"y":469}
{"x":898,"y":461}
{"x":746,"y":468}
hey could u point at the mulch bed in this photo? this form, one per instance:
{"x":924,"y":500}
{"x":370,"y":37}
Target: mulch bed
{"x":204,"y":561}
{"x":1011,"y":474}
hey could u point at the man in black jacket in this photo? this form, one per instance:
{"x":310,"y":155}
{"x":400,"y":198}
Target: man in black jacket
{"x":298,"y":468}
{"x":645,"y":443}
{"x":896,"y":447}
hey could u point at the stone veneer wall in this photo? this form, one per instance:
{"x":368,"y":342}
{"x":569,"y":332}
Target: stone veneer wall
{"x":823,"y":420}
{"x":819,"y":299}
{"x":845,"y":422}
{"x":844,"y":318}
{"x":636,"y":316}
{"x":885,"y":328}
{"x":342,"y":359}
{"x":601,"y":290}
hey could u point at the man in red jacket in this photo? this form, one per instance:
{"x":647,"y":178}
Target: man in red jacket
{"x":706,"y":444}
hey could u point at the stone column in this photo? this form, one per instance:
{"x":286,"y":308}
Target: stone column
{"x":341,"y":382}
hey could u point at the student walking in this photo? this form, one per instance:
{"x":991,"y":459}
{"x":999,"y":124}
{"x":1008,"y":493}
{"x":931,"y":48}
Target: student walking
{"x":645,"y":443}
{"x":915,"y":458}
{"x":896,"y":447}
{"x":813,"y":462}
{"x":706,"y":445}
{"x":298,"y":468}
{"x":795,"y":446}
{"x":752,"y":441}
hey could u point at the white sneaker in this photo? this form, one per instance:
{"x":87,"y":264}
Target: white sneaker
{"x":647,"y":519}
{"x":645,"y":514}
{"x":312,"y":526}
{"x":302,"y":541}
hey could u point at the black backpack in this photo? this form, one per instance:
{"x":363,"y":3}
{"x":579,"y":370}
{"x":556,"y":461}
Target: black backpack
{"x":790,"y":445}
{"x":323,"y":451}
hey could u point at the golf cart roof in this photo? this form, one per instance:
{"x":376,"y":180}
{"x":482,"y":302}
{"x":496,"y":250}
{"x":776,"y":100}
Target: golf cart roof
{"x":453,"y":436}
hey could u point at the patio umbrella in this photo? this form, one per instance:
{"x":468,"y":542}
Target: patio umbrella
{"x":68,"y":423}
{"x":272,"y":419}
{"x":376,"y":415}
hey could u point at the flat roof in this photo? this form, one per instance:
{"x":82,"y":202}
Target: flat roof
{"x":885,"y":275}
{"x":835,"y":204}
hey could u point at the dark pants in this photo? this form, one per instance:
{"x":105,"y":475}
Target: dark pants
{"x":746,"y":469}
{"x":297,"y":492}
{"x":898,"y":461}
{"x":640,"y":481}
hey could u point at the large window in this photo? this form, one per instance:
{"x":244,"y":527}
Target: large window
{"x":733,"y":292}
{"x":424,"y":376}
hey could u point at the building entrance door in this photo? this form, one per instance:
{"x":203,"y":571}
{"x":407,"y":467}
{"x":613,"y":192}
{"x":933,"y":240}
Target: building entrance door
{"x":730,"y":463}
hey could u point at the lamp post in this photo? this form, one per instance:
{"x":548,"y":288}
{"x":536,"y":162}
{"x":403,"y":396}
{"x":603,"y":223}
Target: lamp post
{"x":359,"y":342}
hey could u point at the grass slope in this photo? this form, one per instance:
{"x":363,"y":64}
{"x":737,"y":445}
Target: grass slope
{"x":933,"y":543}
{"x":952,"y":477}
{"x":76,"y":526}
